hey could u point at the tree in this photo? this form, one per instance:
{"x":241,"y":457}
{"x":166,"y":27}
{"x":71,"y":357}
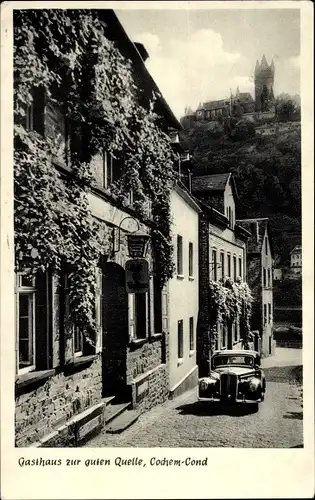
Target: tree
{"x":287,"y":108}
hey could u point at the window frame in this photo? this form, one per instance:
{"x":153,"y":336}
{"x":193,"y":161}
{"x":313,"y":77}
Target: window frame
{"x":191,"y":334}
{"x":180,"y":340}
{"x":229,"y":265}
{"x":234,"y":268}
{"x":264,"y":277}
{"x":133,"y":316}
{"x":214,"y":263}
{"x":222,"y":262}
{"x":67,"y":313}
{"x":190,"y":259}
{"x":25,"y":290}
{"x":240,"y":268}
{"x":269,"y":313}
{"x":179,"y":256}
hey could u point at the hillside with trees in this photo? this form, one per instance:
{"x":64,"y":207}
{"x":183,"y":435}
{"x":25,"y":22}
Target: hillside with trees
{"x":267,"y":167}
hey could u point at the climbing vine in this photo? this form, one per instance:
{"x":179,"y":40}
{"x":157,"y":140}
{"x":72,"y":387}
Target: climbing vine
{"x":66,"y":56}
{"x":230,"y":301}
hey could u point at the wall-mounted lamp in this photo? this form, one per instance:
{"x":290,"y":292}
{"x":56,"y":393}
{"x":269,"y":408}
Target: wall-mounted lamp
{"x":137,"y":241}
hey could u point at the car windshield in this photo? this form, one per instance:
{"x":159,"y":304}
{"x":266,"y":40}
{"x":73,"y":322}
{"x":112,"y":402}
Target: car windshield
{"x":232,"y":360}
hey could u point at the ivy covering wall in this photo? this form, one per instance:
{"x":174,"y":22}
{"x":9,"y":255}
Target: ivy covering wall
{"x":230,"y":301}
{"x":66,"y":56}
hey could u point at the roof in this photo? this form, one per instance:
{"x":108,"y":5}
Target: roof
{"x":214,"y":104}
{"x":187,"y":196}
{"x":214,"y":214}
{"x":237,"y":351}
{"x":296,"y":249}
{"x":257,"y":228}
{"x":138,"y":53}
{"x":214,"y":182}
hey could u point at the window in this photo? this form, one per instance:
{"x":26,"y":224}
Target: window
{"x":191,"y":334}
{"x":180,"y":339}
{"x":265,"y":314}
{"x":269,"y":277}
{"x":229,"y":266}
{"x":214,"y":265}
{"x":138,"y":315}
{"x":224,"y":336}
{"x":269,"y":314}
{"x":70,"y":327}
{"x":191,"y":259}
{"x":240,"y":267}
{"x":26,"y":323}
{"x":264,"y":277}
{"x":266,"y":246}
{"x":222,"y":264}
{"x":179,"y":255}
{"x":29,"y":117}
{"x":234,"y":268}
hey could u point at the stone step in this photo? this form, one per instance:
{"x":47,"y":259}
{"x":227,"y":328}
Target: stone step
{"x":114,"y":410}
{"x":108,"y":399}
{"x":122,"y":422}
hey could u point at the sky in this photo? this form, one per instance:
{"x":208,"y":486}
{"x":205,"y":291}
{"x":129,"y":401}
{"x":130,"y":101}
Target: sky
{"x":199,"y":55}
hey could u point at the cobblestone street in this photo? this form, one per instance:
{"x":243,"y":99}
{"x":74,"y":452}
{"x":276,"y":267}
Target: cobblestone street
{"x":185,"y":422}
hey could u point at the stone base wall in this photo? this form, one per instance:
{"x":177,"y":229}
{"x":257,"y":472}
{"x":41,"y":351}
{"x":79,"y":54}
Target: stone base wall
{"x":148,"y":372}
{"x":42,"y":410}
{"x":150,"y":389}
{"x":189,"y":382}
{"x":142,"y":358}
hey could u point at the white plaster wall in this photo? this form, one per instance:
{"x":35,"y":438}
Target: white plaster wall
{"x":229,"y":201}
{"x":183,"y":291}
{"x":224,"y":240}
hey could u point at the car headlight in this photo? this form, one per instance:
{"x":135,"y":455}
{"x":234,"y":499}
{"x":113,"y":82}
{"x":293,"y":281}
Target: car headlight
{"x":254,"y":384}
{"x":203,"y":385}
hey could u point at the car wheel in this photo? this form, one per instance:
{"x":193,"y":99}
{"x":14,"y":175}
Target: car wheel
{"x":255,"y":407}
{"x":262,"y":397}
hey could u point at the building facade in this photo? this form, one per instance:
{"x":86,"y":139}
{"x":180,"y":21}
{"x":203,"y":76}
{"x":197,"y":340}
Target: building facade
{"x":260,"y":280}
{"x":68,"y":386}
{"x":222,"y":255}
{"x":183,"y":292}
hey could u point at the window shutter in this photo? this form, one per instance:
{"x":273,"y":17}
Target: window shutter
{"x":68,"y":329}
{"x":16,"y":311}
{"x":151,"y":306}
{"x":131,"y":316}
{"x":99,"y":308}
{"x":165,"y":319}
{"x":42,"y":322}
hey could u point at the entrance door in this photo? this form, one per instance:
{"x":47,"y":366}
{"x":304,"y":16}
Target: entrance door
{"x":115,"y":331}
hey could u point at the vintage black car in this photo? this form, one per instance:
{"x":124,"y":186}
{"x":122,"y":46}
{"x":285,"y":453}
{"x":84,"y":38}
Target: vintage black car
{"x":235,"y":377}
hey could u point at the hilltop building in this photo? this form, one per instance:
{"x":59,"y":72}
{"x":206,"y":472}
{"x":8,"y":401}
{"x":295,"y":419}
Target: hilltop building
{"x":264,"y":80}
{"x":240,"y":103}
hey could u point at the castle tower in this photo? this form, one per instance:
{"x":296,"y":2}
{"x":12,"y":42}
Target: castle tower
{"x":264,"y":79}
